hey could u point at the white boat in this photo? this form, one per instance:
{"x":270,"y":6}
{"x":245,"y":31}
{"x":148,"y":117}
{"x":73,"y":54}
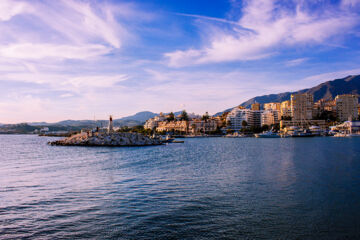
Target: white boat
{"x":235,"y":135}
{"x":340,"y":135}
{"x":347,"y":135}
{"x":316,"y":130}
{"x":268,"y":134}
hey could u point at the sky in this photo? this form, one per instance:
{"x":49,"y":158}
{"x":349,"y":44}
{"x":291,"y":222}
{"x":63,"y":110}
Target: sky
{"x":76,"y":59}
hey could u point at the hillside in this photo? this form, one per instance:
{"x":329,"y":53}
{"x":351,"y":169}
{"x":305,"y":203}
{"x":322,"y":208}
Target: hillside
{"x":327,"y":90}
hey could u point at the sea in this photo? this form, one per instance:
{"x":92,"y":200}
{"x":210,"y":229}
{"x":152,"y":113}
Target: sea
{"x":205,"y":188}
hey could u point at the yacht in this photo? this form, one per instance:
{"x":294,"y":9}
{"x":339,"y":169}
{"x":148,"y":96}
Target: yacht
{"x":268,"y":134}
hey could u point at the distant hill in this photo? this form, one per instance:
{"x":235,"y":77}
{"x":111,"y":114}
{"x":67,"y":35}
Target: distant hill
{"x":327,"y":90}
{"x":140,"y":116}
{"x":130,"y":121}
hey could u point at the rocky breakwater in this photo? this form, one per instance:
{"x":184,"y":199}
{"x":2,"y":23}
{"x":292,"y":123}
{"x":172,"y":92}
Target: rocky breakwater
{"x":107,"y":139}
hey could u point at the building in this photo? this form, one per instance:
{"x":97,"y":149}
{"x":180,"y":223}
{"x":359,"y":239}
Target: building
{"x":236,"y":117}
{"x":270,"y":117}
{"x":330,"y":106}
{"x":322,"y":106}
{"x":272,"y":106}
{"x":198,"y":126}
{"x":180,"y":126}
{"x":346,"y":107}
{"x":349,"y":127}
{"x":255,"y":106}
{"x":153,"y":123}
{"x":254,"y":118}
{"x":302,"y":106}
{"x":285,"y":109}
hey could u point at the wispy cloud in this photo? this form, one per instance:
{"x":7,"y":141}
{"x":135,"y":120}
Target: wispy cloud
{"x":273,"y":27}
{"x":60,"y":29}
{"x":221,"y":20}
{"x":296,"y":62}
{"x":9,"y":9}
{"x":320,"y":78}
{"x":40,"y":51}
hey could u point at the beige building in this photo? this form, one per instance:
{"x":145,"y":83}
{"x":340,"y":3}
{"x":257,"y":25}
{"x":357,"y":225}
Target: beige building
{"x":181,"y":126}
{"x":285,"y":109}
{"x":270,"y":117}
{"x":255,"y":106}
{"x":346,"y":107}
{"x":302,"y":106}
{"x":153,"y":123}
{"x":272,"y":106}
{"x":198,"y":126}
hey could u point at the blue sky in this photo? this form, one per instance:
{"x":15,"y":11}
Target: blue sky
{"x":74,"y":59}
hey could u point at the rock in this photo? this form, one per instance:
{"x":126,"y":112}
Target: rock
{"x":107,"y":139}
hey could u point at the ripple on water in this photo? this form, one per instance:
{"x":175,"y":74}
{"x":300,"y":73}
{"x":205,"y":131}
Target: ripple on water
{"x":202,"y":189}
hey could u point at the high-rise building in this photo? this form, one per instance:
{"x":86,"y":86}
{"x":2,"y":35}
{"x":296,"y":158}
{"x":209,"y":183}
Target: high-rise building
{"x":254,"y":118}
{"x":285,"y":109}
{"x":255,"y":106}
{"x":272,"y":106}
{"x":270,"y":117}
{"x":302,"y":106}
{"x":346,"y":107}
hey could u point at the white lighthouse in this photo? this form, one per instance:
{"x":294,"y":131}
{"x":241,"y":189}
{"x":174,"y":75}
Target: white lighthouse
{"x":110,"y":127}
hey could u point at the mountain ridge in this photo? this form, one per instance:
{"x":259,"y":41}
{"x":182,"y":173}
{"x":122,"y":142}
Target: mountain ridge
{"x":327,"y":90}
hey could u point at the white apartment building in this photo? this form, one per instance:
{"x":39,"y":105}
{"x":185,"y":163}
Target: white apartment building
{"x":237,"y":116}
{"x":153,"y":123}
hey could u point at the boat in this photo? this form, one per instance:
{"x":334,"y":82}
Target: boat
{"x":341,"y":134}
{"x":316,"y":130}
{"x":285,"y":135}
{"x":268,"y":134}
{"x":235,"y":135}
{"x":167,"y":139}
{"x":302,"y":134}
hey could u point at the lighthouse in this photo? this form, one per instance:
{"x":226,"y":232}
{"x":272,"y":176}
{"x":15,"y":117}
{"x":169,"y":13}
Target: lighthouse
{"x":110,"y":127}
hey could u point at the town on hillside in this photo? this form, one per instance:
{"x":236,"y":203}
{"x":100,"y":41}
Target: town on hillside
{"x":296,"y":116}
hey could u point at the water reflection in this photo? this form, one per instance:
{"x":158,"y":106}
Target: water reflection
{"x":205,"y":188}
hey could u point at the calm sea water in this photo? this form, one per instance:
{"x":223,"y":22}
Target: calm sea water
{"x":211,"y":188}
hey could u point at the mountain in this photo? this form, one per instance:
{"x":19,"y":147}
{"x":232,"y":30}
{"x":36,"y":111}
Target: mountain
{"x":140,"y":116}
{"x":327,"y":90}
{"x":130,"y":121}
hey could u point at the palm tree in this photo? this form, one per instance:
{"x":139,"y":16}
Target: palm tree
{"x":184,"y":116}
{"x":171,"y":117}
{"x":244,"y":123}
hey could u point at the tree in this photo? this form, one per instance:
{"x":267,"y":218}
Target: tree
{"x":265,"y":127}
{"x":171,"y":117}
{"x":230,"y":131}
{"x":244,"y":123}
{"x":228,"y":123}
{"x":184,"y":116}
{"x":205,"y":117}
